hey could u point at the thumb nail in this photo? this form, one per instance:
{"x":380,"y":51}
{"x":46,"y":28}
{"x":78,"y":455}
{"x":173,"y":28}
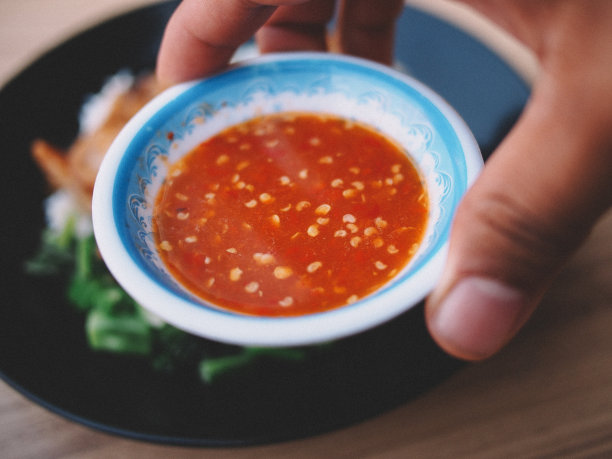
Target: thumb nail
{"x":477,"y":317}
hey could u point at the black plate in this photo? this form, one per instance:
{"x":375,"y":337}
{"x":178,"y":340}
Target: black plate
{"x":43,"y":352}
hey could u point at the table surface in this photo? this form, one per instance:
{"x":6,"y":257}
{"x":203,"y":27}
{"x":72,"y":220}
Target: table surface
{"x":549,"y":393}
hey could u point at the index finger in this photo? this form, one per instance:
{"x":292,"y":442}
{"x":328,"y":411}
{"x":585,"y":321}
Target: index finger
{"x":202,"y":35}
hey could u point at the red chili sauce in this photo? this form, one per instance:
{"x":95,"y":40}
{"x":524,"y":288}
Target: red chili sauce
{"x":290,"y":214}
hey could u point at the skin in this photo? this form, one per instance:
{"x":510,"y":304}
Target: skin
{"x":540,"y":193}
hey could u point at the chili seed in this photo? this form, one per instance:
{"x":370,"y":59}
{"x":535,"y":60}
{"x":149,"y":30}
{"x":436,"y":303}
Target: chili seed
{"x":282,"y":272}
{"x":263,"y":258}
{"x":235,"y":274}
{"x":314,"y":266}
{"x":222,"y":159}
{"x":380,"y":223}
{"x":370,"y":231}
{"x":323,"y":209}
{"x":313,"y":230}
{"x":286,"y":302}
{"x":275,"y":220}
{"x":265,"y":198}
{"x":251,"y":287}
{"x":302,"y":205}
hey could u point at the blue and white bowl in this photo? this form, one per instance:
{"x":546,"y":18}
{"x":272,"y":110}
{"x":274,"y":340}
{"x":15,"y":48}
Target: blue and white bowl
{"x":182,"y":117}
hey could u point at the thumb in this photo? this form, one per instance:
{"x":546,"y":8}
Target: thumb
{"x":532,"y":206}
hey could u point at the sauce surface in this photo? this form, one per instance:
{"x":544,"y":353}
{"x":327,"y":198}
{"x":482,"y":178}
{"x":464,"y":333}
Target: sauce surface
{"x":290,"y":214}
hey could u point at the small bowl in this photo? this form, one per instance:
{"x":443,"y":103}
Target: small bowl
{"x":182,"y":117}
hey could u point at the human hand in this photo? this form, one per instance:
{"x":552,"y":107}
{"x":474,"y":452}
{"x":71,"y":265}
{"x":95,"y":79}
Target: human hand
{"x":202,"y":35}
{"x":543,"y":188}
{"x":540,"y":192}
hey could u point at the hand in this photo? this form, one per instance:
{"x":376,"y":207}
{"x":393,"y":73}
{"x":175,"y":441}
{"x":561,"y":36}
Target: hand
{"x":543,"y":188}
{"x":202,"y":35}
{"x":541,"y":191}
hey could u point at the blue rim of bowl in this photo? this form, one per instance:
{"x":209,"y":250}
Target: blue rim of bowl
{"x":198,"y":318}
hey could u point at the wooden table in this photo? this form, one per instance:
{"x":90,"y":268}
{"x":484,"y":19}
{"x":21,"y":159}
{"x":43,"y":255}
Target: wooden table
{"x":549,"y":393}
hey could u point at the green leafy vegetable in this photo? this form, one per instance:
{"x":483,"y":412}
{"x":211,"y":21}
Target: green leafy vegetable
{"x":55,"y":254}
{"x":211,"y":369}
{"x":115,"y":323}
{"x":125,"y":334}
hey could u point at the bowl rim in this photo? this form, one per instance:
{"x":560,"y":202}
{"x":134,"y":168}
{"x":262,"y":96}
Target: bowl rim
{"x":228,"y":327}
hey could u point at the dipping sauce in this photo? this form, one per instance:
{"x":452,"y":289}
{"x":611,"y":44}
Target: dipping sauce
{"x":290,"y":214}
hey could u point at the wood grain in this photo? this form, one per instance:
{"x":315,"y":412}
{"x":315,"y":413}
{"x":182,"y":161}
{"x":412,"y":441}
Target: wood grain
{"x":548,"y":394}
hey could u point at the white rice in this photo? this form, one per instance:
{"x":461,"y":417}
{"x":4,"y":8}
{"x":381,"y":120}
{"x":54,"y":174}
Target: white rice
{"x":60,"y":207}
{"x":97,"y":107}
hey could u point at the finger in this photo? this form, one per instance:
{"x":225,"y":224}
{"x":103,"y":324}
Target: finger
{"x":530,"y":209}
{"x":297,"y":27}
{"x":367,"y":28}
{"x":202,"y":35}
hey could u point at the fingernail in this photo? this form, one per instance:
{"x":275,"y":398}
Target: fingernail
{"x":477,"y":317}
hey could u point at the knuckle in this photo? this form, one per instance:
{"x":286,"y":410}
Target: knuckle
{"x":512,"y":240}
